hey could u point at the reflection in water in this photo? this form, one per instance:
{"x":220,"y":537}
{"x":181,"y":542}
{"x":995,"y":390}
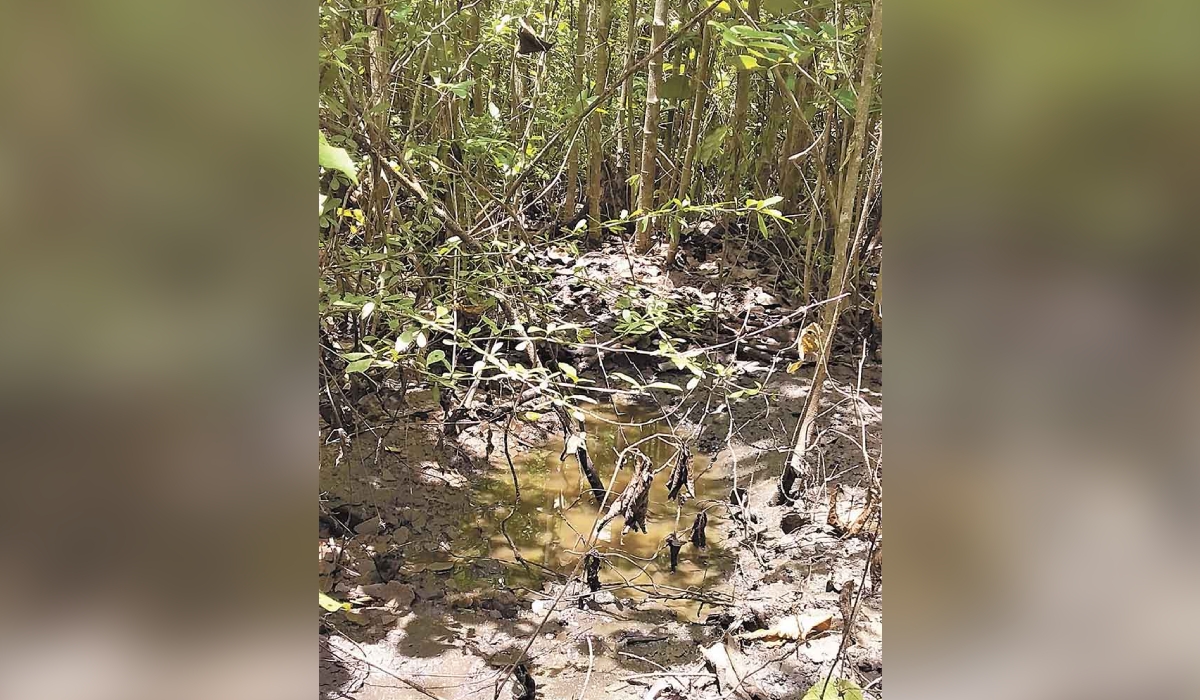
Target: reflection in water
{"x":556,"y":512}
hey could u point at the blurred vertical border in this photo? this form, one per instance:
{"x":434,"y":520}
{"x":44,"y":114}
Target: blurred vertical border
{"x":156,"y":384}
{"x":1042,"y":355}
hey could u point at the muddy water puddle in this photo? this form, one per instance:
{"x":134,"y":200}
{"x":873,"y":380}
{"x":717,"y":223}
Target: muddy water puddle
{"x":550,"y":524}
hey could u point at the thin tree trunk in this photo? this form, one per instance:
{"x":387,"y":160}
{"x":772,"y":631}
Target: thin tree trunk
{"x":596,"y":123}
{"x":766,"y":147}
{"x":699,"y":100}
{"x":473,"y":40}
{"x":841,"y":244}
{"x":581,"y":36}
{"x":630,"y":129}
{"x":645,"y":200}
{"x":376,"y":116}
{"x":737,"y":129}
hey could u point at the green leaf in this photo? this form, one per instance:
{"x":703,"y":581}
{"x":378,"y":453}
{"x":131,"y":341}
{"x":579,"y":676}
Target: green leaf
{"x":434,"y":357}
{"x":746,"y":62}
{"x":330,"y":604}
{"x":837,"y":689}
{"x":359,"y":365}
{"x":532,"y":416}
{"x":711,"y":144}
{"x":676,"y":87}
{"x":626,"y":378}
{"x":335,"y":158}
{"x":569,"y":371}
{"x":663,"y":385}
{"x":847,"y":99}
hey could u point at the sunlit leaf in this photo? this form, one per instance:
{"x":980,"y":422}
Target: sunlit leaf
{"x":809,"y":341}
{"x":330,"y":604}
{"x":405,"y":339}
{"x":626,"y":378}
{"x":836,"y":689}
{"x":746,"y":62}
{"x":335,"y":158}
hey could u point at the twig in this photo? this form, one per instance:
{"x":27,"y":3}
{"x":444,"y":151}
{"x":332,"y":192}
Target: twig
{"x":588,"y":678}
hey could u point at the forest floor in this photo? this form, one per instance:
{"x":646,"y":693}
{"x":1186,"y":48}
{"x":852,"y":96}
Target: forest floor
{"x":442,"y":607}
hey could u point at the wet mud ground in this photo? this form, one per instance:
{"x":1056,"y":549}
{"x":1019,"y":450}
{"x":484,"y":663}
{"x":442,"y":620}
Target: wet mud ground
{"x":411,"y":536}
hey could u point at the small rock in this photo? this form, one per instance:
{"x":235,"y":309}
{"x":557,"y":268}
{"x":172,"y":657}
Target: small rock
{"x":401,"y":535}
{"x":604,"y":597}
{"x":792,"y":521}
{"x":430,"y":588}
{"x":506,"y":603}
{"x":369,"y":527}
{"x":541,"y":607}
{"x":392,"y":591}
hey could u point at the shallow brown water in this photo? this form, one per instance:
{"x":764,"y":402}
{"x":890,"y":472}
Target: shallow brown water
{"x":551,"y":523}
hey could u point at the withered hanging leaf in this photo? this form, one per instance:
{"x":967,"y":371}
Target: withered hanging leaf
{"x":634,"y":501}
{"x":846,"y":604}
{"x":809,"y":341}
{"x":699,"y":539}
{"x":528,"y":42}
{"x":674,"y":544}
{"x":876,"y":568}
{"x":679,"y":485}
{"x":849,"y":509}
{"x":591,"y":569}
